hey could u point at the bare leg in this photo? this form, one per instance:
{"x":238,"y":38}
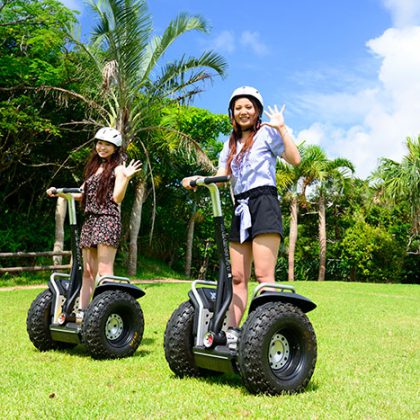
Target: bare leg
{"x":90,"y":269}
{"x":241,"y":259}
{"x":96,"y":261}
{"x":265,"y":248}
{"x":106,"y":257}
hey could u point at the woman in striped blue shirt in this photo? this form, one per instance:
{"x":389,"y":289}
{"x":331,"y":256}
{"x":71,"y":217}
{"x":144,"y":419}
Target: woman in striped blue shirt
{"x":249,"y":157}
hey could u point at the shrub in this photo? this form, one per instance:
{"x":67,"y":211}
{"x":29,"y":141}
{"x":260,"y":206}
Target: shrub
{"x":370,"y":254}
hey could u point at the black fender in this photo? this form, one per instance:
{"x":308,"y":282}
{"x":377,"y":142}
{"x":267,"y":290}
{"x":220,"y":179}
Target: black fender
{"x":208,"y":301}
{"x":62,"y":286}
{"x":129,"y":288}
{"x":208,"y":298}
{"x":305,"y":304}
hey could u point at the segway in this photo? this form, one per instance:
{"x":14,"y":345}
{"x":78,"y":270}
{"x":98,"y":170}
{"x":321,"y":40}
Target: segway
{"x":277,"y":349}
{"x":112,"y":326}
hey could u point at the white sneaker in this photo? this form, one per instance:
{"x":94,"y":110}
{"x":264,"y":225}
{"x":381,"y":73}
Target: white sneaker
{"x":232,"y":337}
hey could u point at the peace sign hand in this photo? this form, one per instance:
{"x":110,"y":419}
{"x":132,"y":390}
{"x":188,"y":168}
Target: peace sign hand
{"x":131,"y":169}
{"x":275,"y":116}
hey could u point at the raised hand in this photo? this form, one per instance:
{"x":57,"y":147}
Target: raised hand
{"x":275,"y":116}
{"x":131,"y":169}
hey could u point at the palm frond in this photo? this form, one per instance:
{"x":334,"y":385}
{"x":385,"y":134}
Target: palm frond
{"x":124,"y":29}
{"x":286,"y":175}
{"x":65,"y":93}
{"x":181,"y":24}
{"x":182,"y":75}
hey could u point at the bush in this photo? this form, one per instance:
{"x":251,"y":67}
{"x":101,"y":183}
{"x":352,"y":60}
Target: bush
{"x":370,"y":254}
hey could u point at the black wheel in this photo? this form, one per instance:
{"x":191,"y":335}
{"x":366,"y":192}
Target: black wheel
{"x":38,"y":324}
{"x":277,"y":350}
{"x":113,"y":325}
{"x":179,"y":341}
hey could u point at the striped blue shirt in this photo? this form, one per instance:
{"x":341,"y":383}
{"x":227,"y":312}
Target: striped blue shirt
{"x":258,"y":167}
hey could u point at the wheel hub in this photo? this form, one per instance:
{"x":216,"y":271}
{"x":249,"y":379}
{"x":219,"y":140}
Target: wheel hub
{"x":114,"y":327}
{"x":279,"y":350}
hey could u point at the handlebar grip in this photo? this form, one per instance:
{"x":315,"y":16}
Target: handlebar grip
{"x":216,"y":179}
{"x":73,"y":190}
{"x":210,"y":180}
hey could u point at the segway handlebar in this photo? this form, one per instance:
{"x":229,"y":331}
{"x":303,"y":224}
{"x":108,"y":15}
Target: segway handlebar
{"x":67,"y":190}
{"x":209,"y":180}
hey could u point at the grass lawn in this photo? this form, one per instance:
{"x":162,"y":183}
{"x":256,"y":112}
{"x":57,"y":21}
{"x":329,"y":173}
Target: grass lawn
{"x":368,"y":364}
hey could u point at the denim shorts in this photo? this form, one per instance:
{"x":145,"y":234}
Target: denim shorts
{"x":265,"y":212}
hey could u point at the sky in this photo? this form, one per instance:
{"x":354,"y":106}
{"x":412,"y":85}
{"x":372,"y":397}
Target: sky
{"x":348,"y":71}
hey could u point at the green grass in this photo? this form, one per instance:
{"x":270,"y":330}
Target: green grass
{"x":368,"y":364}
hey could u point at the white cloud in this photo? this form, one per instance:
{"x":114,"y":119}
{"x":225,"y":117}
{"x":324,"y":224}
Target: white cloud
{"x":252,"y":40}
{"x":224,"y":42}
{"x":399,"y":50}
{"x":227,"y":41}
{"x":379,"y":119}
{"x":312,"y":135}
{"x":344,"y":108}
{"x":403,"y":12}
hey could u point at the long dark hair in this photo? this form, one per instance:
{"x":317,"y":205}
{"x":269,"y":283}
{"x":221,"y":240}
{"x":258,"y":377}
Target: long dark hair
{"x":237,"y":133}
{"x":107,"y":176}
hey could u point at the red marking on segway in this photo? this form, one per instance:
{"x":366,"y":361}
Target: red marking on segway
{"x":62,"y":319}
{"x":208,"y":340}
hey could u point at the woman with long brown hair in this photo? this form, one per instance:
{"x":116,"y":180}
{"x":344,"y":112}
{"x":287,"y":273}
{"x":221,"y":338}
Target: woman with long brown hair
{"x":106,"y":179}
{"x":250,"y":156}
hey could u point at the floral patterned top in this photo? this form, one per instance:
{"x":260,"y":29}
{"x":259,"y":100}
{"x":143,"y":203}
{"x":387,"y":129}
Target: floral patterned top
{"x":109,"y":208}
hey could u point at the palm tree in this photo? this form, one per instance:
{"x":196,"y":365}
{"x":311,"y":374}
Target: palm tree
{"x":398,"y":182}
{"x":132,"y":56}
{"x":287,"y":177}
{"x":126,"y":58}
{"x":318,"y":170}
{"x":314,"y":170}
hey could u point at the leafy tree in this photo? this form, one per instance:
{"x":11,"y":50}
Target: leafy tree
{"x":136,"y":86}
{"x":318,"y":170}
{"x":315,"y":169}
{"x":32,"y":53}
{"x":370,"y":254}
{"x":288,"y":179}
{"x":400,"y":182}
{"x":205,"y":128}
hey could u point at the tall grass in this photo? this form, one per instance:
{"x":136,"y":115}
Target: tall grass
{"x":368,"y":364}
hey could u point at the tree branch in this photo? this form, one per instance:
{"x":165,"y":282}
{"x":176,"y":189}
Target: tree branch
{"x":17,"y":22}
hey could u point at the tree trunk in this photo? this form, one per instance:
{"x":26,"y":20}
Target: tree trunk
{"x":60,"y":217}
{"x":135,"y":222}
{"x":203,"y":269}
{"x":293,"y":237}
{"x":190,"y":240}
{"x":322,"y":239}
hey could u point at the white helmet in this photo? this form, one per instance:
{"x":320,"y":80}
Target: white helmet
{"x":111,"y":135}
{"x":247,"y":91}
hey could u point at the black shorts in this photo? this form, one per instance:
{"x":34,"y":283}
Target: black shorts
{"x":265,"y":212}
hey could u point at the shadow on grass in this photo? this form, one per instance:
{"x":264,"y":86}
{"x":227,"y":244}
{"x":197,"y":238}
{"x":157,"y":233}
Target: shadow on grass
{"x":80,"y":350}
{"x":312,"y":387}
{"x":234,"y":381}
{"x":214,"y":378}
{"x":230,"y":379}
